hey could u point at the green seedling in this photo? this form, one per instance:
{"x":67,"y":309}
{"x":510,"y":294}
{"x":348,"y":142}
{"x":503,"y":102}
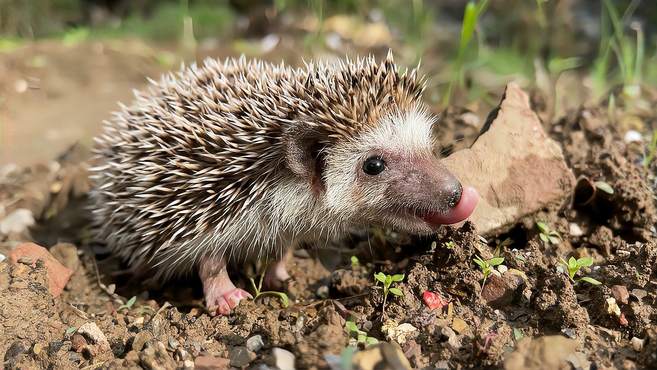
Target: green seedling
{"x":486,"y":266}
{"x":546,"y":234}
{"x":387,"y":281}
{"x":449,"y":245}
{"x":257,"y":290}
{"x":574,"y":265}
{"x":360,"y":335}
{"x":354,"y":262}
{"x":128,"y":305}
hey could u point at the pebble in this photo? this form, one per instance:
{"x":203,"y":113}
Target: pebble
{"x":633,"y":136}
{"x":323,"y":291}
{"x":399,"y":333}
{"x":241,"y":356}
{"x":575,"y":230}
{"x":459,"y":325}
{"x":637,"y":344}
{"x":156,"y":357}
{"x":502,"y":269}
{"x":620,"y":293}
{"x":255,"y":343}
{"x":188,"y":365}
{"x":140,"y":340}
{"x":211,"y":363}
{"x":283,"y":359}
{"x":639,"y":293}
{"x":92,"y":332}
{"x":78,"y":342}
{"x":173,"y":343}
{"x":450,"y":335}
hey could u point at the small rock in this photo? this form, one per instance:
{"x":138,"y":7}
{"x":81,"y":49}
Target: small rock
{"x":633,"y":136}
{"x":639,"y":294}
{"x":140,"y":340}
{"x":255,"y":343}
{"x":459,"y":325}
{"x":2,"y":257}
{"x":173,"y":343}
{"x":188,"y":365}
{"x":447,"y":334}
{"x":612,"y":307}
{"x":399,"y":333}
{"x":78,"y":342}
{"x":620,"y":293}
{"x":93,"y":334}
{"x":211,"y":363}
{"x":322,"y":291}
{"x":637,"y":344}
{"x":17,"y":222}
{"x":283,"y":359}
{"x":156,"y":357}
{"x":38,"y":348}
{"x":500,"y":291}
{"x":569,"y":332}
{"x":58,"y":274}
{"x":241,"y":356}
{"x":548,"y":352}
{"x":381,"y":356}
{"x":575,"y":230}
{"x":502,"y":269}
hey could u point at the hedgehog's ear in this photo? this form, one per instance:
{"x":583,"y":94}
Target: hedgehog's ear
{"x":304,"y":154}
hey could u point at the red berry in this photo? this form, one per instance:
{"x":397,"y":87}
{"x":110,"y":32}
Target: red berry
{"x":433,"y":300}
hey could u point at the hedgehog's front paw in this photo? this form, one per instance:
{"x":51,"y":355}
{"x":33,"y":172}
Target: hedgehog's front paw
{"x":221,"y":304}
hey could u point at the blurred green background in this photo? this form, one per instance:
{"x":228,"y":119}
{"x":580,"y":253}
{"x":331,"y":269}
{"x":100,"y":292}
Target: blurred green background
{"x":566,"y":52}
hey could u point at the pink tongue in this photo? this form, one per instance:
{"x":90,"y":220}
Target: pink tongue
{"x":463,"y":209}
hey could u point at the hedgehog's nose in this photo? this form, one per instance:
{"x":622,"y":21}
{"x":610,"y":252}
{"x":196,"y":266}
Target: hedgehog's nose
{"x":454,"y":193}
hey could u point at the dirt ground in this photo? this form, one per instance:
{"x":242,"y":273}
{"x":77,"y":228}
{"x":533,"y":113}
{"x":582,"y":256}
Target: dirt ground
{"x":93,"y":324}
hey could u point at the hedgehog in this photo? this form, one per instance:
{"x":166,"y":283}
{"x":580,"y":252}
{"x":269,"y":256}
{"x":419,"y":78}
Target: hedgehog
{"x":229,"y":162}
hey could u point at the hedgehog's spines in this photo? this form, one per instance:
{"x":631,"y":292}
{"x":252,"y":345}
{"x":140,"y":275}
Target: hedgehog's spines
{"x":203,"y":146}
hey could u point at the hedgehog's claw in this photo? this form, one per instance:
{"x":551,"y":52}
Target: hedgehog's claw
{"x":221,"y":295}
{"x":224,"y":303}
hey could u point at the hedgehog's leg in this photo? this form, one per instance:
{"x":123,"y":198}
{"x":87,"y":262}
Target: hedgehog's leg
{"x":221,"y":295}
{"x":276,"y":274}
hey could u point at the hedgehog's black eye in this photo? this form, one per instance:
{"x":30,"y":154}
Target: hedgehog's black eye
{"x":374,"y":166}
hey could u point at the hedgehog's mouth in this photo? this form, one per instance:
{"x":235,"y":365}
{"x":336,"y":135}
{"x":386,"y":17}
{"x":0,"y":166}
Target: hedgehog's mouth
{"x":461,"y":211}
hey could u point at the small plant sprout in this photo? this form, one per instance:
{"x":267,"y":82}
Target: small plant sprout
{"x":574,"y":265}
{"x":360,"y":335}
{"x":354,"y":262}
{"x":128,"y":305}
{"x":285,"y":301}
{"x":486,"y":266}
{"x":449,"y":245}
{"x":387,"y":281}
{"x":546,"y":234}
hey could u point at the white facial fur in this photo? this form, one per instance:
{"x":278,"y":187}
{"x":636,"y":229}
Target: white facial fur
{"x":403,"y":133}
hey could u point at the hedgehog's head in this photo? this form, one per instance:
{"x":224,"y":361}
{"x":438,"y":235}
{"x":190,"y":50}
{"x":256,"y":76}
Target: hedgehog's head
{"x":386,"y":175}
